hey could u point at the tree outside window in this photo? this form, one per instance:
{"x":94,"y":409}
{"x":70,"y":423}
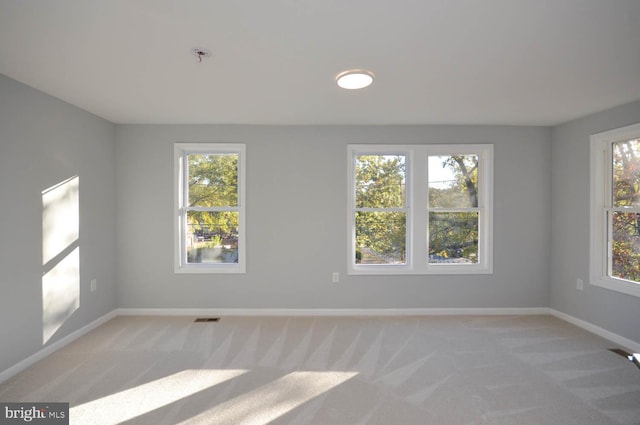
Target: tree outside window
{"x":420,"y":209}
{"x":380,"y":209}
{"x":614,"y":252}
{"x":212,"y":216}
{"x":624,"y":215}
{"x":210,"y":206}
{"x":453,"y":209}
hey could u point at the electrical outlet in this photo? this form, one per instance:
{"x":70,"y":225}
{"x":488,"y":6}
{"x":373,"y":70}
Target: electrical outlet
{"x":94,"y":285}
{"x":579,"y":284}
{"x":335,"y":277}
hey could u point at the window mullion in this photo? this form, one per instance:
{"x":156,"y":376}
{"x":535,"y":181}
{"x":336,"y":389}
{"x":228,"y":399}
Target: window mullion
{"x":624,"y":209}
{"x":391,"y":209}
{"x":420,"y":218}
{"x":455,"y":210}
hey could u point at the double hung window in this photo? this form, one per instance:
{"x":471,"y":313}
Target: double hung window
{"x":420,"y":209}
{"x":615,"y":210}
{"x":209,"y":208}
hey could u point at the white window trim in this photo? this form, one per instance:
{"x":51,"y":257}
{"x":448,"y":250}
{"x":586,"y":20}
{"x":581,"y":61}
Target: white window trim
{"x":600,"y":185}
{"x":180,"y":152}
{"x":417,"y":221}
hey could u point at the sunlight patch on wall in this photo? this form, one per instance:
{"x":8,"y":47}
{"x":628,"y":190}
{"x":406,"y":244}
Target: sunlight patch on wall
{"x":60,"y":293}
{"x":60,"y":218}
{"x":128,"y":404}
{"x":60,"y":255}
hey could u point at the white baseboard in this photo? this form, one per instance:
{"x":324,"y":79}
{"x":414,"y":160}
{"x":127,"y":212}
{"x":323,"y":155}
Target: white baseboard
{"x":320,"y":312}
{"x":49,"y":349}
{"x":382,"y":312}
{"x":329,"y":312}
{"x":613,"y":337}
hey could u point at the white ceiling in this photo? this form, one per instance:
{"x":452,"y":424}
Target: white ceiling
{"x":518,"y":62}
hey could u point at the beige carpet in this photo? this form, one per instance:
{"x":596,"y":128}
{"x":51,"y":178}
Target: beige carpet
{"x":526,"y":370}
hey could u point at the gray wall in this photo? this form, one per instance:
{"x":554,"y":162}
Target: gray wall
{"x":616,"y":312}
{"x":44,"y":141}
{"x":296,"y":221}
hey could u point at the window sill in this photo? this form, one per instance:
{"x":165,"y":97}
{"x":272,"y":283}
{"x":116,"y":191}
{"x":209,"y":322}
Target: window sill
{"x":618,"y":285}
{"x":207,"y":269}
{"x":405,"y":270}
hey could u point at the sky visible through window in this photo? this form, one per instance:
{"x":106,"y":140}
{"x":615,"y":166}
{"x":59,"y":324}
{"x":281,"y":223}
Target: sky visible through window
{"x":439,"y":176}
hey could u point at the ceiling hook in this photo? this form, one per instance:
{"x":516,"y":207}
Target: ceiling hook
{"x":200,"y":53}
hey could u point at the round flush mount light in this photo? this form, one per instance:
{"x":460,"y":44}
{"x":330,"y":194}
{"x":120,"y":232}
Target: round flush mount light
{"x":354,"y":79}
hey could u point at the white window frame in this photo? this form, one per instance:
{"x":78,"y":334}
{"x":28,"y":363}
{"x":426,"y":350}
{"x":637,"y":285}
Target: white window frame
{"x":181,"y":151}
{"x":601,"y":207}
{"x":416,"y":160}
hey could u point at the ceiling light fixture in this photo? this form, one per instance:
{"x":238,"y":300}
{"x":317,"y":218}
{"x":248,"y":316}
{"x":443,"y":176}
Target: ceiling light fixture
{"x":354,"y":79}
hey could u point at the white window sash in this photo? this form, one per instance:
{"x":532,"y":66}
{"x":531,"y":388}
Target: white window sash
{"x":181,"y":154}
{"x":416,"y":158}
{"x":601,"y":210}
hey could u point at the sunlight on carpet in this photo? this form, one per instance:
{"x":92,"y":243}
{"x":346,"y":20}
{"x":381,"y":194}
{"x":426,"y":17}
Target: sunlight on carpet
{"x":133,"y":402}
{"x":266,"y":403}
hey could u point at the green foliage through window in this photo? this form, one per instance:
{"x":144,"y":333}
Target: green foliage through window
{"x":421,"y":209}
{"x":380,"y":216}
{"x":212,"y":216}
{"x":453,"y":215}
{"x":624,"y":217}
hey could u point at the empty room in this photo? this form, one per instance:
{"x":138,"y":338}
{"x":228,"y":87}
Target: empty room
{"x":320,"y":212}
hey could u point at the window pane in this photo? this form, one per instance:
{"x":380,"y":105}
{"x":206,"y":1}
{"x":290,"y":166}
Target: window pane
{"x":212,"y":237}
{"x":625,"y":255}
{"x":453,"y":181}
{"x":626,"y":174}
{"x":380,"y":237}
{"x":380,"y":181}
{"x":213,"y":180}
{"x":453,"y":237}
